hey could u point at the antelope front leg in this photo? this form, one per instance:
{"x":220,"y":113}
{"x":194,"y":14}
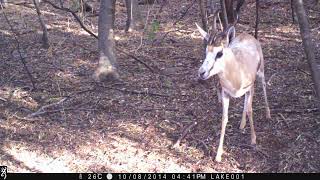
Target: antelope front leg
{"x":225,"y":105}
{"x":249,"y":113}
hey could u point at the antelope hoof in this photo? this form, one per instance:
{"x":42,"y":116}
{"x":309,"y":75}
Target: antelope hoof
{"x":268,"y":115}
{"x":218,"y":158}
{"x":253,"y":141}
{"x":242,"y":124}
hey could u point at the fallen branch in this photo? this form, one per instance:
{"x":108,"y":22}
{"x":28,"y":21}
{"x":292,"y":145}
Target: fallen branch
{"x":310,"y":110}
{"x":135,"y":92}
{"x":254,"y":147}
{"x":42,"y":110}
{"x":184,"y":133}
{"x":269,"y":81}
{"x":135,"y":58}
{"x":3,"y":99}
{"x":65,"y":109}
{"x":202,"y":142}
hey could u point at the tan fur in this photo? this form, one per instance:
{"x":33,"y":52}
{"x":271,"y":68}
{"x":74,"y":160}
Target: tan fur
{"x":240,"y":66}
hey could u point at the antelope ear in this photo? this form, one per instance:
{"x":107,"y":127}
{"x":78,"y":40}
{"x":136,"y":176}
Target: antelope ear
{"x":203,"y":33}
{"x":230,"y":35}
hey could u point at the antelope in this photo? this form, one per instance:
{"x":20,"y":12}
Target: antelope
{"x":236,"y":60}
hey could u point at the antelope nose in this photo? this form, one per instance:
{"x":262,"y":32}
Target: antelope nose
{"x":201,"y":74}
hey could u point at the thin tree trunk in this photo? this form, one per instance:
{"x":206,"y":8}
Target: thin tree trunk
{"x":224,"y":14}
{"x":314,"y":64}
{"x":61,"y":3}
{"x":45,"y":41}
{"x":107,"y":69}
{"x":239,"y":5}
{"x":210,"y":4}
{"x":113,"y":10}
{"x":292,"y":11}
{"x":257,"y":19}
{"x":229,"y":9}
{"x":134,"y":20}
{"x":3,"y":3}
{"x":202,"y":6}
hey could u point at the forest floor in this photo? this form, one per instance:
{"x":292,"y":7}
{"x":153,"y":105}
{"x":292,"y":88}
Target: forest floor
{"x":70,"y":123}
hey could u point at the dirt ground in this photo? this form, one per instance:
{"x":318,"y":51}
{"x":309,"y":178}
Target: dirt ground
{"x":130,"y":126}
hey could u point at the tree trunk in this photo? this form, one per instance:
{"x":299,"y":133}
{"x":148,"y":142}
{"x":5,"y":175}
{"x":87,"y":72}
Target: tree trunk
{"x":203,"y":14}
{"x":134,"y":20}
{"x":229,"y":9}
{"x":45,"y":41}
{"x":292,"y":11}
{"x":3,"y":3}
{"x":224,"y":14}
{"x":107,"y":69}
{"x":308,"y":45}
{"x":257,"y":19}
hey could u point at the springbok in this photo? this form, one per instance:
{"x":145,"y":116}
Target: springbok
{"x":236,"y":60}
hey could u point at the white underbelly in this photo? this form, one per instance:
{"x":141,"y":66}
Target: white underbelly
{"x":237,"y":93}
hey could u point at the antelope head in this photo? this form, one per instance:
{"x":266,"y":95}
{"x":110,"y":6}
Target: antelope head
{"x":217,"y":43}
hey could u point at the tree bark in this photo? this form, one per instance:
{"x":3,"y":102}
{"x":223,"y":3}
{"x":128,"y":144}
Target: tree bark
{"x":292,"y":11}
{"x":3,"y":3}
{"x":203,"y":14}
{"x":134,"y":20}
{"x":107,"y":69}
{"x":314,"y":64}
{"x":45,"y":41}
{"x":224,"y":14}
{"x":257,"y":19}
{"x":230,"y":12}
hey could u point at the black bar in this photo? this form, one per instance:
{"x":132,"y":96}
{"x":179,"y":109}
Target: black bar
{"x":161,"y":176}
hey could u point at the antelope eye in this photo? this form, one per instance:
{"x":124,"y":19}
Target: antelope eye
{"x":219,"y":54}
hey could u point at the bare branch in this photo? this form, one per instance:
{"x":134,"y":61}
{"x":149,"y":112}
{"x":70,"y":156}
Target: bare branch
{"x":185,"y":132}
{"x":42,"y":110}
{"x":135,"y":58}
{"x":74,"y":15}
{"x":18,"y":48}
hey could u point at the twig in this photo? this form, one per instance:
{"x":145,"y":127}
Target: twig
{"x":165,"y":35}
{"x":254,"y":147}
{"x":310,"y":110}
{"x":3,"y":99}
{"x":163,"y":109}
{"x":65,"y":109}
{"x":269,"y":81}
{"x":42,"y":109}
{"x":135,"y":92}
{"x":135,"y":58}
{"x":74,"y":15}
{"x":284,"y":119}
{"x":184,"y":13}
{"x":23,"y":118}
{"x":303,"y":71}
{"x":18,"y":48}
{"x":202,"y":142}
{"x":25,"y":4}
{"x":185,"y":132}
